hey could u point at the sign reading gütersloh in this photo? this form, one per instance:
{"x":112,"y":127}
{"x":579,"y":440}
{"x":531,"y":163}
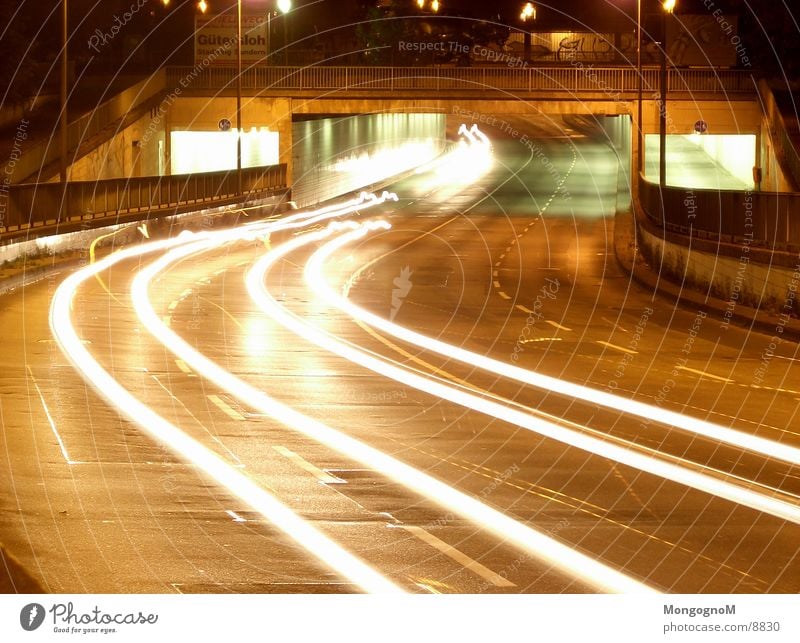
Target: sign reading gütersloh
{"x":215,"y":39}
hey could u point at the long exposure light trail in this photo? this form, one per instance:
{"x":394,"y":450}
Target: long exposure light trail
{"x":317,"y":282}
{"x":538,"y":544}
{"x":634,"y":458}
{"x":234,"y":481}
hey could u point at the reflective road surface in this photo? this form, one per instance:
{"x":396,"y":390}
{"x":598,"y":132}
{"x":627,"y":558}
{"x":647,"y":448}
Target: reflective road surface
{"x":459,"y":390}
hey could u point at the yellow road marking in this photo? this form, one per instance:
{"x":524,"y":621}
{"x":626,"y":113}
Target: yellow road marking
{"x":226,"y":408}
{"x":183,"y":366}
{"x":92,"y":247}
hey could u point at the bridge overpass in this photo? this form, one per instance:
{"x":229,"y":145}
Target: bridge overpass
{"x":135,"y":133}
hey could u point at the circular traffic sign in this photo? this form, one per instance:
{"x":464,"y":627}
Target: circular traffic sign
{"x":224,"y":124}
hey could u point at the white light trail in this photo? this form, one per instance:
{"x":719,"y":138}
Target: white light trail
{"x":188,"y":449}
{"x":537,"y":544}
{"x":633,"y":458}
{"x":318,"y":284}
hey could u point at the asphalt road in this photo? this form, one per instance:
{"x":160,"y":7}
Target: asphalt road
{"x":95,"y":505}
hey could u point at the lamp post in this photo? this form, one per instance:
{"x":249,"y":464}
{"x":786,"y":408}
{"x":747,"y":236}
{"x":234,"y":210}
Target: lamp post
{"x":528,"y":13}
{"x":284,"y":6}
{"x":669,"y":7}
{"x":640,"y":126}
{"x":64,"y":122}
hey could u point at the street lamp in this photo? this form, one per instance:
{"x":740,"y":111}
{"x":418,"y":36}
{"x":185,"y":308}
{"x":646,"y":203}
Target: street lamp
{"x":435,"y":5}
{"x":528,"y":13}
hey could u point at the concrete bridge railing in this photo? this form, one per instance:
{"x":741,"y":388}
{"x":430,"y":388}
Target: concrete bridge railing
{"x":605,"y":82}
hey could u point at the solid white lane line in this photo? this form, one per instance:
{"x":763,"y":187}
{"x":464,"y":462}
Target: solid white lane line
{"x":52,"y":422}
{"x":460,"y":557}
{"x":319,"y":474}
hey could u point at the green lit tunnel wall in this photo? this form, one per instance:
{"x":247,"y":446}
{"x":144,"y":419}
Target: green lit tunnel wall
{"x":333,"y":156}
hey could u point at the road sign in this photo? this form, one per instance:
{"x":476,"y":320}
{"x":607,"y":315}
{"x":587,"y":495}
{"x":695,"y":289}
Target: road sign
{"x":224,"y":124}
{"x":701,"y":127}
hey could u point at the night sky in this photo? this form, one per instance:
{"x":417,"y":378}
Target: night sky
{"x":156,"y":35}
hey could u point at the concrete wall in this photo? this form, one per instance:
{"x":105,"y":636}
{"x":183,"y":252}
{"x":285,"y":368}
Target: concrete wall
{"x":132,"y":152}
{"x":734,"y":280}
{"x":332,"y":156}
{"x":773,"y":178}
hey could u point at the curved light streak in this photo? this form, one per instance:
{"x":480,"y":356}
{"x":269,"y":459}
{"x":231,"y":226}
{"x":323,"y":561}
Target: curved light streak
{"x":636,"y":459}
{"x":536,"y":543}
{"x":319,"y":286}
{"x":312,"y":540}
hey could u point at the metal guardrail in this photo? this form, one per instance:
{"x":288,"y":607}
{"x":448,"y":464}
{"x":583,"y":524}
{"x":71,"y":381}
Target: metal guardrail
{"x":37,"y":205}
{"x":564,"y":78}
{"x":770,"y":219}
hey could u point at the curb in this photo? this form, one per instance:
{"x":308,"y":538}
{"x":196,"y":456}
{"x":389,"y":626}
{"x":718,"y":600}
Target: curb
{"x":14,"y":579}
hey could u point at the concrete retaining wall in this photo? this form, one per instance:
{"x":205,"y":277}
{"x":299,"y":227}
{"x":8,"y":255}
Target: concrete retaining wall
{"x":734,"y":280}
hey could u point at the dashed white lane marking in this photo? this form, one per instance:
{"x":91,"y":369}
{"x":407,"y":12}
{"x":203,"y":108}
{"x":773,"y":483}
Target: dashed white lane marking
{"x":173,"y":305}
{"x":236,"y":517}
{"x":503,"y":295}
{"x":51,"y":421}
{"x":524,"y":309}
{"x":557,"y":325}
{"x":226,"y":408}
{"x":216,"y":439}
{"x":460,"y":557}
{"x":704,"y":374}
{"x":184,"y":367}
{"x":617,"y":348}
{"x":319,"y":474}
{"x":496,"y":284}
{"x":614,"y":324}
{"x":167,"y":320}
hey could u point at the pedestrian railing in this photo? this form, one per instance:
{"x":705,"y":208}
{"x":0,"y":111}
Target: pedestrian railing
{"x":567,"y":78}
